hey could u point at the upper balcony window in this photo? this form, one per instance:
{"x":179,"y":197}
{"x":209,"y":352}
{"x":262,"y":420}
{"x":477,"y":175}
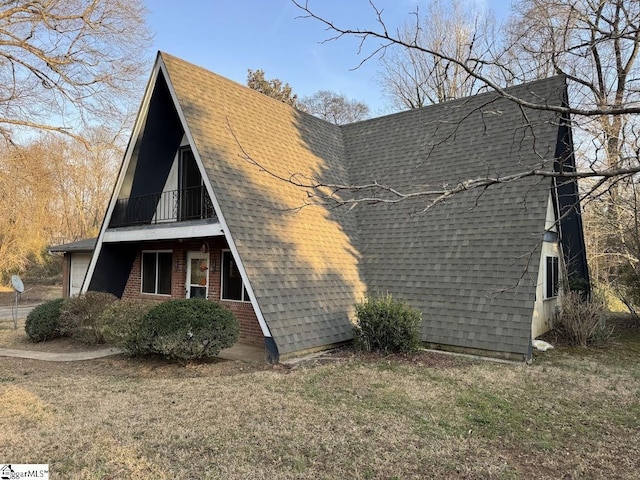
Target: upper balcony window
{"x":190,"y":201}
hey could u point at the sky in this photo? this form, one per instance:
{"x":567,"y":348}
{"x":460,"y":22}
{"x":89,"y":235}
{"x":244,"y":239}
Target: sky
{"x":230,"y":36}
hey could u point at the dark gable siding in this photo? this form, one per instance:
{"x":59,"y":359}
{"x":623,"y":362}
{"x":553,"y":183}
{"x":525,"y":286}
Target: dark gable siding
{"x":153,"y":157}
{"x":155,"y":151}
{"x":113,"y":267}
{"x":567,"y":203}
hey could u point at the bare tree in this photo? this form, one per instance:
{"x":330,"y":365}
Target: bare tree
{"x":65,"y":64}
{"x":329,"y":106}
{"x":496,"y":67}
{"x":72,"y":67}
{"x":412,"y":78}
{"x":595,"y":44}
{"x":53,"y":188}
{"x":25,"y":196}
{"x":82,"y":181}
{"x":335,"y":108}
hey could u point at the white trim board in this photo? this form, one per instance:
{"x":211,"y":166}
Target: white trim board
{"x":158,"y":233}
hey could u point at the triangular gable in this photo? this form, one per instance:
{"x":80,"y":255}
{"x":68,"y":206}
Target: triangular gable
{"x":124,"y":166}
{"x":301,"y":264}
{"x":299,"y":267}
{"x":129,"y":177}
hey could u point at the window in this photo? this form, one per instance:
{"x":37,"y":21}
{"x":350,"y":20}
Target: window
{"x":156,"y":273}
{"x":551,"y":283}
{"x":194,"y":199}
{"x":232,"y":286}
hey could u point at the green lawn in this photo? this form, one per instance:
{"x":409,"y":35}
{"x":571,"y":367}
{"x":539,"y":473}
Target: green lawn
{"x":574,"y":413}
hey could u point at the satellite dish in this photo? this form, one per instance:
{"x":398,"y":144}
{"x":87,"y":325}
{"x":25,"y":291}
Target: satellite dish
{"x":18,"y":286}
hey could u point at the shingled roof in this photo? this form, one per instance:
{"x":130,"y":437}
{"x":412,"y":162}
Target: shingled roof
{"x":470,"y":264}
{"x":302,"y":264}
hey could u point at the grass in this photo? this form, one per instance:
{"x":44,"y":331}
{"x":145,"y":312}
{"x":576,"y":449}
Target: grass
{"x":574,"y":413}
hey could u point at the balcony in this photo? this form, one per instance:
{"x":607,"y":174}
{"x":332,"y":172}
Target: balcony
{"x":170,"y":206}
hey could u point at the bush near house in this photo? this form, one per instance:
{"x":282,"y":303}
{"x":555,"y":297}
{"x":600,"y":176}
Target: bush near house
{"x":120,"y":324}
{"x":386,"y":325}
{"x":188,"y":329}
{"x":582,"y":320}
{"x":79,"y":316}
{"x":43,"y":322}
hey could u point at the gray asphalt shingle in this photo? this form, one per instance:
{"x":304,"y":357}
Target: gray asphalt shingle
{"x":470,"y":264}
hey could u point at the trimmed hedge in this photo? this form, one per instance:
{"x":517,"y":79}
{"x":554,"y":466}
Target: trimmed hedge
{"x":80,"y":315}
{"x":187,"y":329}
{"x":43,"y":322}
{"x":120,"y":324}
{"x":386,"y":325}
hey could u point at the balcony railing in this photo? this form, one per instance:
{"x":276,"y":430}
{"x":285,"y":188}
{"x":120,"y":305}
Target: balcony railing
{"x":171,"y":206}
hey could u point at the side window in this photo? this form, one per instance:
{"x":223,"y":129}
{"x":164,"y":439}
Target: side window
{"x":156,"y":273}
{"x":232,"y":285}
{"x":551,"y":277}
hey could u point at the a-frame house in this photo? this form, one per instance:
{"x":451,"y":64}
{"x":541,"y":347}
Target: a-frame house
{"x":202,"y":208}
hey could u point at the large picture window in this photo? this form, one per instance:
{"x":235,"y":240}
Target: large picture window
{"x":551,"y":284}
{"x":232,"y":285}
{"x":156,"y":273}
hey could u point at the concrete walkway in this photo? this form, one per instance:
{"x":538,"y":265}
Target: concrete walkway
{"x":246,"y":353}
{"x":59,"y":357}
{"x":239,"y":352}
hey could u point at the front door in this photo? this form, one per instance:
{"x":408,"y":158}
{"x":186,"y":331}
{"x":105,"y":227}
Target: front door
{"x":197,"y":284}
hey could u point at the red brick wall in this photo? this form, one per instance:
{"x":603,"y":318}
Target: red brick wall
{"x":250,"y":331}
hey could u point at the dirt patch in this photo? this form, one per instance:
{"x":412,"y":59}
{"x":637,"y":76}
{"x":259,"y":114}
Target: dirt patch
{"x":622,"y":325}
{"x":418,"y":359}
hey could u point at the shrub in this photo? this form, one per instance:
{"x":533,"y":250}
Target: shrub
{"x":582,"y":321}
{"x":43,"y":322}
{"x":120,"y":324}
{"x":188,"y":329}
{"x":629,"y":284}
{"x":386,"y":325}
{"x":80,"y":315}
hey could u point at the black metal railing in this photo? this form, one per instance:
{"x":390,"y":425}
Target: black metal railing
{"x":172,"y":206}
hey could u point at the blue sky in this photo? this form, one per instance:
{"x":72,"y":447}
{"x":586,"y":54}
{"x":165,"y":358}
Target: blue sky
{"x":230,"y":36}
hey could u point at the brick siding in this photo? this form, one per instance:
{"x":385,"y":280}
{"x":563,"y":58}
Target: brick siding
{"x":250,"y":331}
